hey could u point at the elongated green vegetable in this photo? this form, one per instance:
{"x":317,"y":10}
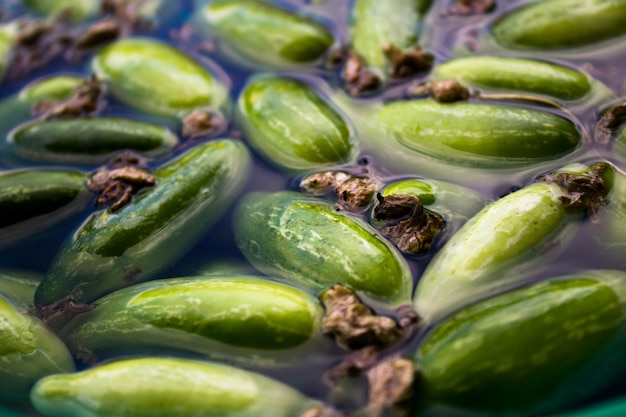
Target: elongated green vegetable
{"x":167,"y":387}
{"x":535,"y":349}
{"x":36,"y":198}
{"x":479,"y":134}
{"x":266,"y":34}
{"x":28,"y":351}
{"x":19,"y":285}
{"x":498,"y":247}
{"x":157,"y":78}
{"x":55,"y":87}
{"x":379,"y":23}
{"x":562,"y":24}
{"x":291,"y":125}
{"x":78,"y":9}
{"x":235,"y":318}
{"x":307,"y":243}
{"x":89,"y":141}
{"x":114,"y":250}
{"x":516,"y":74}
{"x":7,"y":36}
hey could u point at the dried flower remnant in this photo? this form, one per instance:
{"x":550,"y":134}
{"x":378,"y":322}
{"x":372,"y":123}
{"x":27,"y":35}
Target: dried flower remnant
{"x":470,"y":7}
{"x":117,"y":183}
{"x":406,"y":223}
{"x":444,"y":91}
{"x":38,"y":43}
{"x":86,"y":101}
{"x":353,"y":324}
{"x":587,"y":191}
{"x":611,"y":119}
{"x":391,"y":386}
{"x":127,"y":14}
{"x":355,"y":193}
{"x":358,"y":79}
{"x":405,"y":64}
{"x":102,"y":32}
{"x":201,"y":123}
{"x":55,"y":315}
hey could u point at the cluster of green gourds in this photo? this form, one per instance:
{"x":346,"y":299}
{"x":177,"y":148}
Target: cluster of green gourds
{"x":512,"y":171}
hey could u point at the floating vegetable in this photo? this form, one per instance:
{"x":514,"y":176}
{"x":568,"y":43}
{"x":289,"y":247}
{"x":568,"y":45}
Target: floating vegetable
{"x":539,"y":348}
{"x":36,"y":198}
{"x":479,"y":134}
{"x":89,"y":140}
{"x":19,"y":285}
{"x":307,"y":243}
{"x":292,"y":126}
{"x":516,"y":74}
{"x":28,"y":352}
{"x":500,"y":245}
{"x":561,"y":24}
{"x":112,"y":250}
{"x":167,"y":386}
{"x":270,"y":35}
{"x":235,"y":318}
{"x":157,"y":78}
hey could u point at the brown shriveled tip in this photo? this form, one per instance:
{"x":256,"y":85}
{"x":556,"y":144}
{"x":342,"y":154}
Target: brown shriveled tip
{"x":357,"y":78}
{"x":201,"y":123}
{"x":391,"y":387}
{"x":611,"y":119}
{"x":353,"y":324}
{"x":355,"y":193}
{"x":443,"y":91}
{"x":116,"y":187}
{"x":407,"y":224}
{"x":102,"y":32}
{"x":585,"y":191}
{"x":55,"y":315}
{"x":85,"y":101}
{"x":406,"y":64}
{"x":470,"y":7}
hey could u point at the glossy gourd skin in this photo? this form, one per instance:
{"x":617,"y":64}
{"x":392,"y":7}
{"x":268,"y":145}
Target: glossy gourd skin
{"x":89,"y":140}
{"x":78,"y":9}
{"x":28,"y":352}
{"x":270,"y":35}
{"x":561,"y":24}
{"x":36,"y":198}
{"x":377,"y":23}
{"x":307,"y":243}
{"x":482,"y":135}
{"x":292,"y":126}
{"x":152,"y":386}
{"x":531,"y":350}
{"x":515,"y":74}
{"x":19,"y":285}
{"x":114,"y":250}
{"x":486,"y":252}
{"x":157,"y":78}
{"x":240,"y":319}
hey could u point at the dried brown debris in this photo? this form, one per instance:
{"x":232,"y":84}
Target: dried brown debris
{"x":355,"y":193}
{"x":405,"y":64}
{"x":358,"y":79}
{"x":611,"y":119}
{"x":406,"y":223}
{"x":322,"y":411}
{"x":86,"y":101}
{"x":201,"y":123}
{"x":444,"y":91}
{"x":55,"y":315}
{"x":353,"y":324}
{"x":119,"y":181}
{"x":587,"y":191}
{"x":391,"y":386}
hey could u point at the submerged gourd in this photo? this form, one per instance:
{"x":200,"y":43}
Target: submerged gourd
{"x":307,"y":243}
{"x":157,"y":78}
{"x":292,"y":126}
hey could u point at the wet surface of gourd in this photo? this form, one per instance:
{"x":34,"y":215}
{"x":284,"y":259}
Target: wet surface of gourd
{"x":367,"y":135}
